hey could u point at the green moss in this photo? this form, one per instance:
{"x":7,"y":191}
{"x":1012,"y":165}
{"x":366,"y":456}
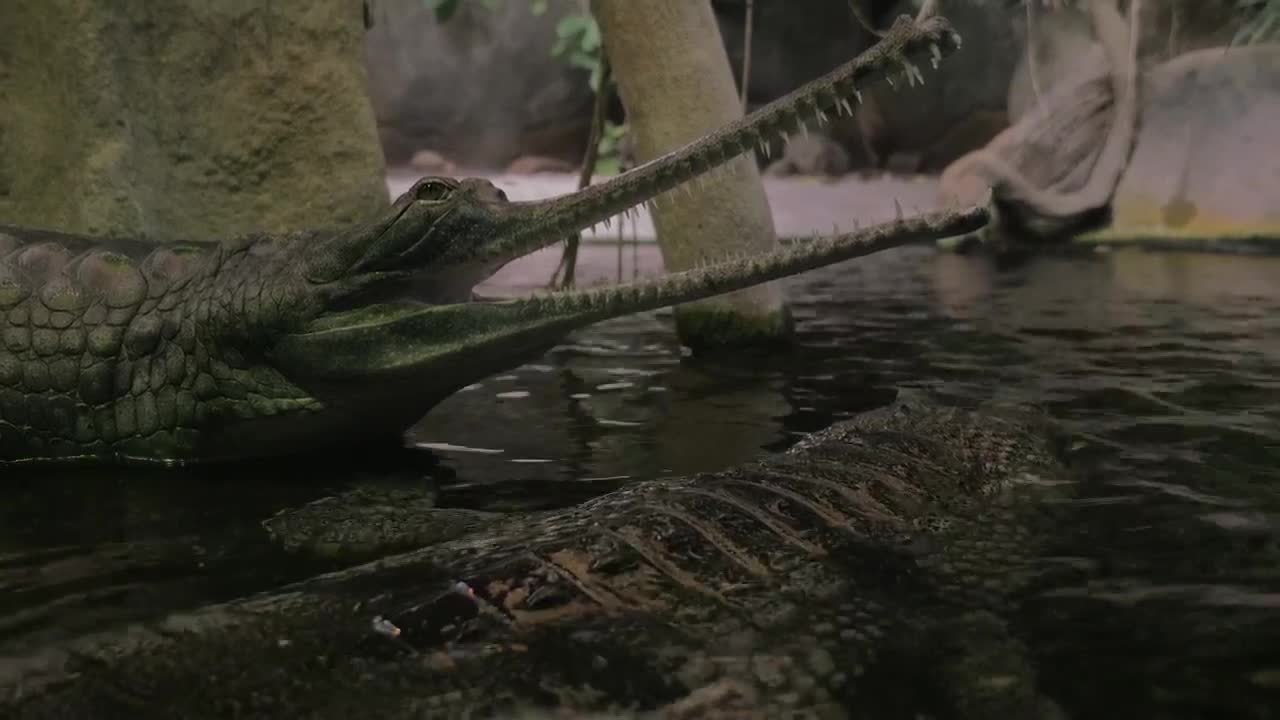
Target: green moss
{"x":712,"y":328}
{"x":201,"y":121}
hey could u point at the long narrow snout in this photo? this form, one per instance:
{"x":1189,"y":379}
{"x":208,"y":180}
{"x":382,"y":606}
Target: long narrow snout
{"x":530,"y":226}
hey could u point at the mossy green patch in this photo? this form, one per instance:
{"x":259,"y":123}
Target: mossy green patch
{"x":711,"y":328}
{"x":194,"y":121}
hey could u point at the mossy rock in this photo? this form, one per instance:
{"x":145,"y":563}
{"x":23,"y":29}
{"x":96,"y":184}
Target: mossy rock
{"x":189,"y":120}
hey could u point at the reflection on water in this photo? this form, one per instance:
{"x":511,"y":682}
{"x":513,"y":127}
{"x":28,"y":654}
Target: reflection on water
{"x":1166,"y":572}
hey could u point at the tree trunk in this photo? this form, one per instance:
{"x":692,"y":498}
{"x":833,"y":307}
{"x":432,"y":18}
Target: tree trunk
{"x":674,"y":78}
{"x":185,"y":119}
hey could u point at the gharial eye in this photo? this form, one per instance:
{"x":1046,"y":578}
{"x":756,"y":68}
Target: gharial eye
{"x":434,"y":190}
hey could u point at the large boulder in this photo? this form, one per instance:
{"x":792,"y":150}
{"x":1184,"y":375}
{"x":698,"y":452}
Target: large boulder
{"x":191,"y":120}
{"x":482,"y":88}
{"x":1064,"y":50}
{"x":792,"y":41}
{"x":1204,"y":165}
{"x":1197,"y":167}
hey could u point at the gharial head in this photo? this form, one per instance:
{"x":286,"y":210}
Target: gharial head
{"x":402,"y":321}
{"x":275,"y":346}
{"x":443,"y":236}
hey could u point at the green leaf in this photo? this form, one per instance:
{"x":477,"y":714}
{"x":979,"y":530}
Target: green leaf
{"x":444,"y":9}
{"x":608,"y":166}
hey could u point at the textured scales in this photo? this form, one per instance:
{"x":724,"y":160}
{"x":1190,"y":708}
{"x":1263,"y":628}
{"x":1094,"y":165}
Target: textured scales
{"x":868,"y":572}
{"x":119,"y":350}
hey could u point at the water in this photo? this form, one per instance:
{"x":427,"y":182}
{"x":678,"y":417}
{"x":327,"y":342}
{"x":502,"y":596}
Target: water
{"x":1166,"y":599}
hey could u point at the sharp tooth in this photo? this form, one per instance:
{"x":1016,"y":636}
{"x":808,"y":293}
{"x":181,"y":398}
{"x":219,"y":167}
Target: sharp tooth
{"x":767,"y":152}
{"x":889,"y":79}
{"x":936,"y":52}
{"x":857,"y":95}
{"x":804,"y":129}
{"x":822,"y":118}
{"x":844,"y":105}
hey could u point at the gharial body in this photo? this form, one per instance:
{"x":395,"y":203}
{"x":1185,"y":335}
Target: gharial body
{"x":122,"y":350}
{"x":870,"y":572}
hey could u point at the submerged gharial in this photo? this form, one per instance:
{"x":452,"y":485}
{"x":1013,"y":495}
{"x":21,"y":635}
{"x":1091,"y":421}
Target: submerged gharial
{"x":117,"y":350}
{"x":873,"y":571}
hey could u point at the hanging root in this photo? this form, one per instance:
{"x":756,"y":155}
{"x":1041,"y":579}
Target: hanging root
{"x":1051,"y":174}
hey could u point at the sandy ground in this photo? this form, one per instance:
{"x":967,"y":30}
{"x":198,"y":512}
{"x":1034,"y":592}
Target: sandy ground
{"x":801,"y":207}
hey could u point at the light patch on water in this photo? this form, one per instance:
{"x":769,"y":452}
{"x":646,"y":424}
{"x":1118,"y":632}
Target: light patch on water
{"x":602,"y":349}
{"x":1070,"y":561}
{"x":618,"y":423}
{"x":640,"y":372}
{"x":502,"y":378}
{"x":656,"y":389}
{"x":1183,"y":492}
{"x":1097,"y":501}
{"x":530,"y":461}
{"x":606,"y":478}
{"x":513,"y":394}
{"x":615,"y":386}
{"x":450,"y":447}
{"x":1027,"y":478}
{"x":580,"y":396}
{"x":538,"y":368}
{"x":1132,"y":592}
{"x":1241,"y":521}
{"x":469,"y":388}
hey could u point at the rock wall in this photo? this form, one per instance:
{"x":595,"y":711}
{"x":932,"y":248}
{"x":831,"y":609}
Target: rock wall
{"x":481,"y":88}
{"x":962,"y":104}
{"x":1062,"y":40}
{"x":185,"y":119}
{"x":1204,"y":165}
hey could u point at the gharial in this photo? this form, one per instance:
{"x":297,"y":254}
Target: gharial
{"x":873,"y":571}
{"x":115,"y":350}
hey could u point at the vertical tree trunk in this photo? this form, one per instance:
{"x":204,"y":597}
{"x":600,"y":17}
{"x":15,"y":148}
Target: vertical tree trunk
{"x":674,"y":78}
{"x":185,"y":119}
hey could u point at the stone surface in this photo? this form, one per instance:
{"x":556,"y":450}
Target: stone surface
{"x":1202,"y":166}
{"x":482,"y":87}
{"x":430,"y":162}
{"x":1064,"y":49}
{"x":195,"y":120}
{"x":811,"y":154}
{"x":792,"y":41}
{"x":539,"y":164}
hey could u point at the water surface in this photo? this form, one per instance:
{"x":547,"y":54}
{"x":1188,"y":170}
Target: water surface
{"x":1166,"y":365}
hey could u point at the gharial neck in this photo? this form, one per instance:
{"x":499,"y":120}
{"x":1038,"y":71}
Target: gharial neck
{"x":534,"y":225}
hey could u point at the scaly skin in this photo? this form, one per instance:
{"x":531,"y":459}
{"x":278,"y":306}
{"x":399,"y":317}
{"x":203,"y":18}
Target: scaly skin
{"x":117,"y":350}
{"x":865,"y":573}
